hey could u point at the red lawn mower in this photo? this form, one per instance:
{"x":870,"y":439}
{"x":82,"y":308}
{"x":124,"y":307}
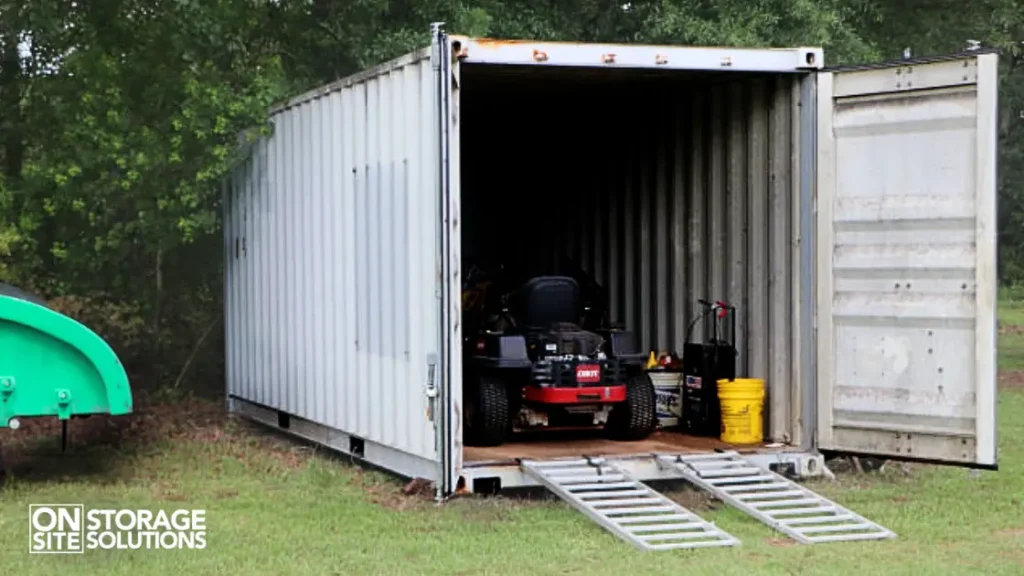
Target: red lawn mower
{"x":530,"y":365}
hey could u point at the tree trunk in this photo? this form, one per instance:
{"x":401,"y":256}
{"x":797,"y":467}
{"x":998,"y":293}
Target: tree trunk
{"x":11,"y":90}
{"x":159,"y":295}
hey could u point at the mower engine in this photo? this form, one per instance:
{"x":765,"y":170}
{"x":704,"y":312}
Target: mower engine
{"x":571,"y":372}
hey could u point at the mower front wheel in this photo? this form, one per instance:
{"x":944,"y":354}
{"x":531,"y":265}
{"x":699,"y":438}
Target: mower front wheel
{"x":636,"y":418}
{"x":488,"y":418}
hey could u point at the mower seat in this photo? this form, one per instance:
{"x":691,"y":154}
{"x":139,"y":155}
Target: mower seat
{"x":546,"y":301}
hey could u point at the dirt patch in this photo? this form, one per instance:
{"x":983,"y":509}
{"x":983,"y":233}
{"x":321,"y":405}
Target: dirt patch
{"x":780,"y":542}
{"x":1014,"y":554}
{"x":417,"y":493}
{"x":1011,"y":330}
{"x":1011,"y":380}
{"x":694,"y":500}
{"x":96,"y":444}
{"x":394,"y":497}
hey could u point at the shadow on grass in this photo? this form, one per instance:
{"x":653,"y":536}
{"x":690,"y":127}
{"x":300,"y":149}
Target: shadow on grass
{"x":41,"y":460}
{"x":101,"y":448}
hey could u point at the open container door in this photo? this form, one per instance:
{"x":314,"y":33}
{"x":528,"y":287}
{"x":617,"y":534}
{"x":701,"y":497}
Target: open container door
{"x":906,"y":269}
{"x":449,"y":394}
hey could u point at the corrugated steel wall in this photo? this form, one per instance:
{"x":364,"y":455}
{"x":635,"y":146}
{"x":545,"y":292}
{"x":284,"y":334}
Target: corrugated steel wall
{"x":330,"y":224}
{"x":666,"y":189}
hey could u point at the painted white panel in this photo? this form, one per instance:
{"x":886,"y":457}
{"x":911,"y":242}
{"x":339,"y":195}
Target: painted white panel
{"x":906,"y":271}
{"x":331,"y":303}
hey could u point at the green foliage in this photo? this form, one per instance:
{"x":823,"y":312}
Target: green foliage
{"x":134,"y":110}
{"x":943,"y":26}
{"x":118,"y":124}
{"x":9,"y":235}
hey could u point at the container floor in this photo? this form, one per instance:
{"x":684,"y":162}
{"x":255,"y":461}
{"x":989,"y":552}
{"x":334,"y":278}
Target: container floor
{"x":590,"y":443}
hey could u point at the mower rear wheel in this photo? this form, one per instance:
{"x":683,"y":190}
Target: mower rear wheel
{"x":489,"y":414}
{"x":636,"y":418}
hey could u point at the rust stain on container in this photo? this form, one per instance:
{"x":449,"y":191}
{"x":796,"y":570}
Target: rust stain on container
{"x":492,"y":43}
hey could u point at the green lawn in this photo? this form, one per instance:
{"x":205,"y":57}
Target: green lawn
{"x":277,"y":508}
{"x":1011,"y":332}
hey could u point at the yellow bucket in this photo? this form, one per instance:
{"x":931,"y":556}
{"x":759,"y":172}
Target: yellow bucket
{"x":742,"y":402}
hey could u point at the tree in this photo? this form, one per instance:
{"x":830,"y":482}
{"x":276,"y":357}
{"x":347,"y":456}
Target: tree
{"x":118,"y":119}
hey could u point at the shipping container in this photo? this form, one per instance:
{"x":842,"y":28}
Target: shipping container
{"x":849,"y":214}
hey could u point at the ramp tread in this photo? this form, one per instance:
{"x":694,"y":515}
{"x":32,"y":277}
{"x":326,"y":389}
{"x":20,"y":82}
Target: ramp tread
{"x":775,"y":500}
{"x":646,"y":519}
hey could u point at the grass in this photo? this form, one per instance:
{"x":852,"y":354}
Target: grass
{"x":1011,"y":332}
{"x":278,"y":508}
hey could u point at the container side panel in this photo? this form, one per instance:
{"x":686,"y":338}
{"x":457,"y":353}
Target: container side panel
{"x":292,"y":231}
{"x":310,"y":175}
{"x":333,"y":267}
{"x":245,"y":260}
{"x":347,"y":255}
{"x":679,"y":277}
{"x":229,"y":193}
{"x":739,"y":202}
{"x":782,"y":237}
{"x":758,"y":217}
{"x":317,"y":233}
{"x":257,"y":271}
{"x":331,"y":302}
{"x":718,"y":224}
{"x":269,"y":277}
{"x":682,"y":191}
{"x":425,"y":319}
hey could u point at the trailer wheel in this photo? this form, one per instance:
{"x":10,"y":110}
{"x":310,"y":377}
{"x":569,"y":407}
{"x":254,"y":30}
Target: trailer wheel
{"x":488,"y":413}
{"x":636,"y":418}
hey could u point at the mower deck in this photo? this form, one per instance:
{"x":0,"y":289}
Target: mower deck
{"x":546,"y":444}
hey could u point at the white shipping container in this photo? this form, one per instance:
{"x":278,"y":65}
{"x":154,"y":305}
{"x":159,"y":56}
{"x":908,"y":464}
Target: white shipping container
{"x":849,"y":213}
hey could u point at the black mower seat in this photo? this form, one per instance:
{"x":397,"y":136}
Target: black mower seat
{"x":545,"y":301}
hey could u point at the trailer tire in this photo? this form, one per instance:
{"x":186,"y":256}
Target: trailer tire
{"x":488,"y":420}
{"x":636,"y":418}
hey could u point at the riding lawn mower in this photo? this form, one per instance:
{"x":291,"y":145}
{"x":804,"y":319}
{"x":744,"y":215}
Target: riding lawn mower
{"x":531,"y":365}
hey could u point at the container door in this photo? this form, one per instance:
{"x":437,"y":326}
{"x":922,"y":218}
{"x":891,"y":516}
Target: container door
{"x":906,"y":303}
{"x":449,"y":289}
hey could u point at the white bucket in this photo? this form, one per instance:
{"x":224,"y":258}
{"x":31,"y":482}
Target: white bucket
{"x":668,"y":387}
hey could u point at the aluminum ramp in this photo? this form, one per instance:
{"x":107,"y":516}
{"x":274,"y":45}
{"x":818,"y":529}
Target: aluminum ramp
{"x":774,"y":499}
{"x":624,"y":506}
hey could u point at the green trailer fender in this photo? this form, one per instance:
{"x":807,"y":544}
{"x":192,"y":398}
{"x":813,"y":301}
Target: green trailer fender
{"x":51,"y":365}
